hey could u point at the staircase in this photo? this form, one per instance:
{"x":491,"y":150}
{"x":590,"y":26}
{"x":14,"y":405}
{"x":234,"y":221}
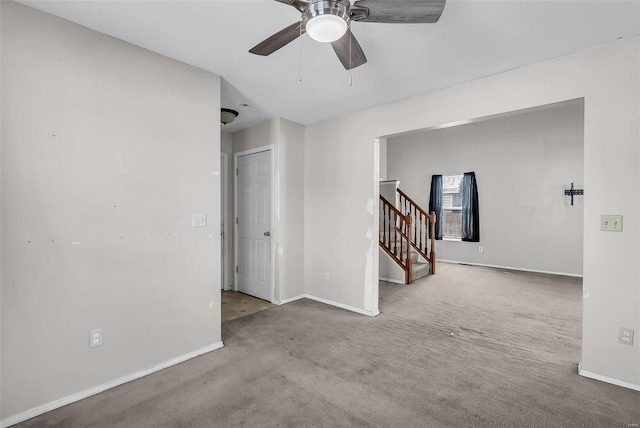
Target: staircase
{"x":407,"y":238}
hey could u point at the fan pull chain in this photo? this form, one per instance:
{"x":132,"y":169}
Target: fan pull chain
{"x":300,"y":44}
{"x":350,"y":56}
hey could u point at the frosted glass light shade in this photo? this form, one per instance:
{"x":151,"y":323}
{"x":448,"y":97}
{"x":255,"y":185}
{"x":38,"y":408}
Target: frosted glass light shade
{"x":326,"y":28}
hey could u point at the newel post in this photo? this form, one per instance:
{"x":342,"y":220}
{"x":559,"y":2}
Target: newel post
{"x":432,"y":233}
{"x":409,"y":271}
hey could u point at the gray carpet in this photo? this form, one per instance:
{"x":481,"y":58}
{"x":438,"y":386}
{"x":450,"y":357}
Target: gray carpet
{"x":467,"y":347}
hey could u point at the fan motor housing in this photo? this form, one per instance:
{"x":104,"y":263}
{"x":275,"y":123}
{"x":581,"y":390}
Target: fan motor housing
{"x":317,"y":8}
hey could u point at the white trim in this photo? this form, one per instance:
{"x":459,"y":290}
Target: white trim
{"x":327,"y":302}
{"x":36,"y":411}
{"x":268,"y":148}
{"x":254,"y":150}
{"x":342,"y":306}
{"x":235,"y":223}
{"x":575,"y":275}
{"x":395,"y":281}
{"x":289,"y":300}
{"x":372,"y":293}
{"x":607,"y":379}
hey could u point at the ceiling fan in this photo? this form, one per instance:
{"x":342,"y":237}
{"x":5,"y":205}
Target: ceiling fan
{"x":330,"y":22}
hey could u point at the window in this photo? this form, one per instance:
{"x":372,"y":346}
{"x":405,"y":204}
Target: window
{"x":454,"y":199}
{"x":451,"y":206}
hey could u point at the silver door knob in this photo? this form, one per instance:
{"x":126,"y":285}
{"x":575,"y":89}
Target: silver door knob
{"x":267,"y":234}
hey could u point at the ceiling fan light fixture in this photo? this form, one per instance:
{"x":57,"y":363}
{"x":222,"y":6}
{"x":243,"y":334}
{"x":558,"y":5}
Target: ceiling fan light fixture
{"x":326,"y":28}
{"x":326,"y":21}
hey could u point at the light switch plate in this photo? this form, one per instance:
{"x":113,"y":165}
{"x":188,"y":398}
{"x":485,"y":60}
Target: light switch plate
{"x":199,"y":220}
{"x":611,"y":223}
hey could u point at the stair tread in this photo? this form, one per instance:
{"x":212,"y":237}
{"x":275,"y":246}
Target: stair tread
{"x":419,"y":270}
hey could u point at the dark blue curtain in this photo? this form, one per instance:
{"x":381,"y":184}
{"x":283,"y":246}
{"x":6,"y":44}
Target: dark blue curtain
{"x":470,"y":211}
{"x":435,"y":203}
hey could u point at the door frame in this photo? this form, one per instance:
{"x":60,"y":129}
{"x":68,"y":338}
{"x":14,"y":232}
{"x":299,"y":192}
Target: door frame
{"x":268,"y":148}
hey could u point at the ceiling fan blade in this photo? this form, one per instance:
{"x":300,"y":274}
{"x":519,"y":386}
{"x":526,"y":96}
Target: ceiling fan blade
{"x":301,"y":5}
{"x":349,"y":51}
{"x":278,"y":40}
{"x":402,"y":11}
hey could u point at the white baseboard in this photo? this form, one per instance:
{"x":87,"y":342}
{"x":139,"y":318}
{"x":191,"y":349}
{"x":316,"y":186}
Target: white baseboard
{"x":575,"y":275}
{"x":395,"y":281}
{"x":342,"y":306}
{"x":36,"y":411}
{"x":327,"y":302}
{"x":607,"y":379}
{"x":289,"y":300}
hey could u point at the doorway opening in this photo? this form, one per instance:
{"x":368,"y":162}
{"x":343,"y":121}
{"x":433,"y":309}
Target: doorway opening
{"x":523,"y":160}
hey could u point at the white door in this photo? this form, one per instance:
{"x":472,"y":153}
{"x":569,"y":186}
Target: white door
{"x":253,"y":179}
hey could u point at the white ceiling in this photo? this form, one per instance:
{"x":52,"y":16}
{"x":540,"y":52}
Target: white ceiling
{"x":474,"y":38}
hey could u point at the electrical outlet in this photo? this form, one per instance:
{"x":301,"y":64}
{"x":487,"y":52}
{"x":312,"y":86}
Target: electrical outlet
{"x":327,"y":275}
{"x":625,"y":336}
{"x":95,"y":338}
{"x":479,"y":249}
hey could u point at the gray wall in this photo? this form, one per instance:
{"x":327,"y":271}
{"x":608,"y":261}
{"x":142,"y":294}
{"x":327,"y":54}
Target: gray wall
{"x":289,"y":178}
{"x":523,"y":162}
{"x":226,"y":139}
{"x":107,"y":150}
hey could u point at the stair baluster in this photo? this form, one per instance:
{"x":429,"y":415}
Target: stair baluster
{"x":423,"y":222}
{"x":396,"y":236}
